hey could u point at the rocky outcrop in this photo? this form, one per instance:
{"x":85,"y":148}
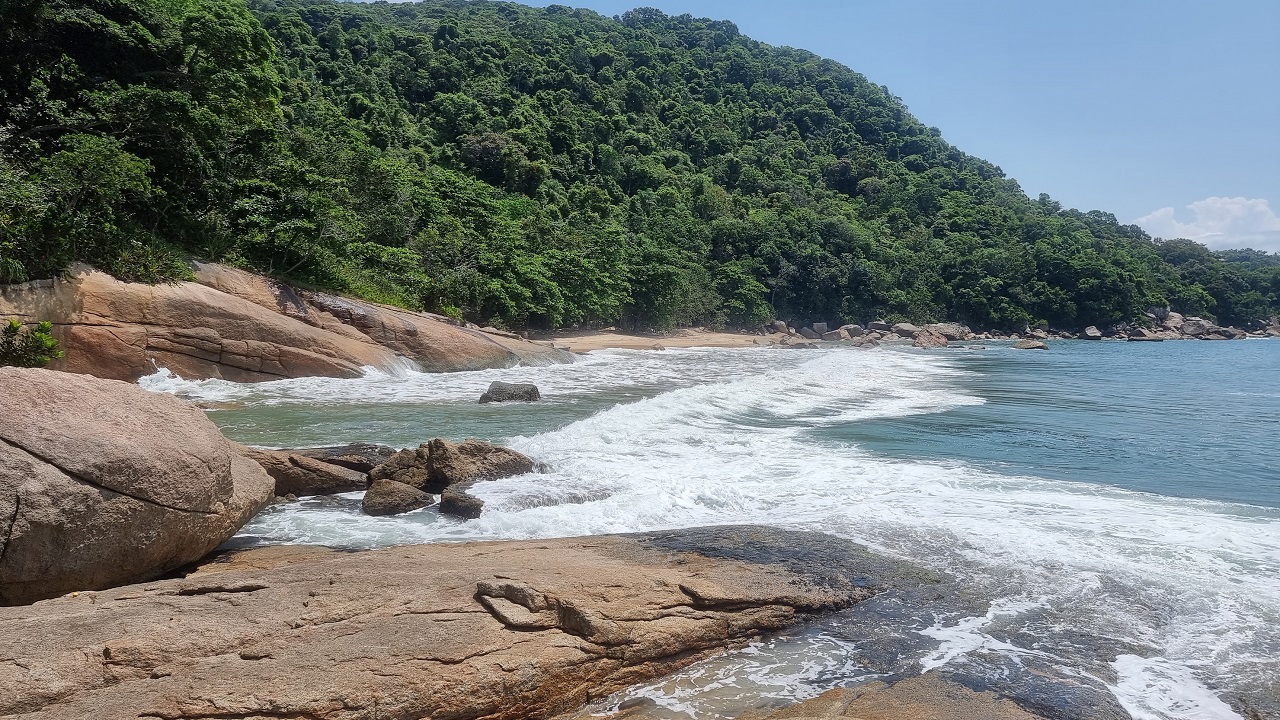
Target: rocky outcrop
{"x":925,"y":338}
{"x":388,"y":497}
{"x":480,"y":630}
{"x":102,"y":483}
{"x":243,"y":327}
{"x":448,"y":468}
{"x":500,"y":392}
{"x":302,"y":476}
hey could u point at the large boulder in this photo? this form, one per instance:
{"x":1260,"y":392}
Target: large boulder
{"x":928,"y":339}
{"x":1091,"y":333}
{"x":388,"y":497}
{"x":103,"y":483}
{"x":905,"y":330}
{"x":835,"y":335}
{"x":809,"y":334}
{"x":472,"y":461}
{"x":1030,"y":345}
{"x":853,"y":331}
{"x":821,"y":328}
{"x":302,"y":476}
{"x":1195,"y":326}
{"x":879,"y":326}
{"x":950,"y":331}
{"x":500,"y":392}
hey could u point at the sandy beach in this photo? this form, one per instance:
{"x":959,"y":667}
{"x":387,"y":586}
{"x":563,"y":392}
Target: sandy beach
{"x":586,"y":341}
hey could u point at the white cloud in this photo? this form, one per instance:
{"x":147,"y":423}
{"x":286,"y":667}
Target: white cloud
{"x":1221,"y":223}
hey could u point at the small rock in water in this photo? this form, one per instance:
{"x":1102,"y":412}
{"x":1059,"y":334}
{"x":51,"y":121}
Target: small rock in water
{"x":929,"y":339}
{"x":1091,"y":333}
{"x":1030,"y":345}
{"x":510,"y":392}
{"x":458,"y":502}
{"x":388,"y":497}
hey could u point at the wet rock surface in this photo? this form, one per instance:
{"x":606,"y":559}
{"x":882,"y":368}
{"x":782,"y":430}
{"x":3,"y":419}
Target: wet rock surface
{"x":492,"y":630}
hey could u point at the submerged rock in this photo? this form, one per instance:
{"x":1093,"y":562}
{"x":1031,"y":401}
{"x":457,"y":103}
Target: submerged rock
{"x":500,"y":392}
{"x":388,"y":497}
{"x":103,"y":483}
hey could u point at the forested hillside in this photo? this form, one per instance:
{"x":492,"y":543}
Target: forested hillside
{"x":538,"y":167}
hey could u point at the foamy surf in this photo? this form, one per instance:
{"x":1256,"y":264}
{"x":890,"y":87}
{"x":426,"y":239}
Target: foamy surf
{"x":1170,"y":603}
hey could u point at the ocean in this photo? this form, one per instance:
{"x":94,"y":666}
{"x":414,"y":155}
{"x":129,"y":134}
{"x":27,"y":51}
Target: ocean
{"x":1108,"y":513}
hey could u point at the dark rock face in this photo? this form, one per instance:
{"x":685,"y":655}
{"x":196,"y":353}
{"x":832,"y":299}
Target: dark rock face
{"x":388,"y":497}
{"x":880,"y":326}
{"x":361,"y":457}
{"x":821,"y":328}
{"x":500,"y":392}
{"x":302,"y":476}
{"x":103,"y":483}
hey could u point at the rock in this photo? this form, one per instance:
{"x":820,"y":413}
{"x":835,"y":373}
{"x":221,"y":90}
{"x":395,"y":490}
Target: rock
{"x":853,"y":331}
{"x":435,"y":465}
{"x":866,"y":341}
{"x":457,"y":501}
{"x":1037,"y":334}
{"x":473,"y":460}
{"x":361,"y":457}
{"x":500,"y":392}
{"x":778,"y":326}
{"x":246,"y":328}
{"x":1143,"y":335}
{"x":835,"y":335}
{"x":821,"y":328}
{"x":950,"y":331}
{"x":1030,"y":345}
{"x":103,"y":483}
{"x":388,"y":497}
{"x":1195,"y":327}
{"x":303,"y":476}
{"x":929,"y":339}
{"x":905,"y":330}
{"x":808,"y":334}
{"x":1173,"y":320}
{"x":879,"y":326}
{"x":1091,"y":333}
{"x":499,"y":630}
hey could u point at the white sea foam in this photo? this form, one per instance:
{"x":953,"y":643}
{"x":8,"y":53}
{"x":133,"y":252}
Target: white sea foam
{"x":738,"y":437}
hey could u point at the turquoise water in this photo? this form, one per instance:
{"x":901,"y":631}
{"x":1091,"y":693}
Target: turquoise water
{"x":1188,"y":419}
{"x":1111,"y":510}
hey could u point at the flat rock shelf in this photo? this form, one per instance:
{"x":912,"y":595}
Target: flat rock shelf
{"x":477,"y":630}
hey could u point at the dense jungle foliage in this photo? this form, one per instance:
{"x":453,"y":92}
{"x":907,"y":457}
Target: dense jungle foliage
{"x":538,"y":167}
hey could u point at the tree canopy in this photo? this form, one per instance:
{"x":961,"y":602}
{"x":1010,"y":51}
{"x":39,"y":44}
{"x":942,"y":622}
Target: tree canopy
{"x":539,"y":167}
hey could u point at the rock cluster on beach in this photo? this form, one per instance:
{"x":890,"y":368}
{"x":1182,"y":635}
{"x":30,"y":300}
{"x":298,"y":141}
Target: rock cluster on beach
{"x":493,"y":630}
{"x":238,"y":326}
{"x":1163,"y":325}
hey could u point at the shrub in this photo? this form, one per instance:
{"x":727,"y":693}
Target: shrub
{"x":28,"y":347}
